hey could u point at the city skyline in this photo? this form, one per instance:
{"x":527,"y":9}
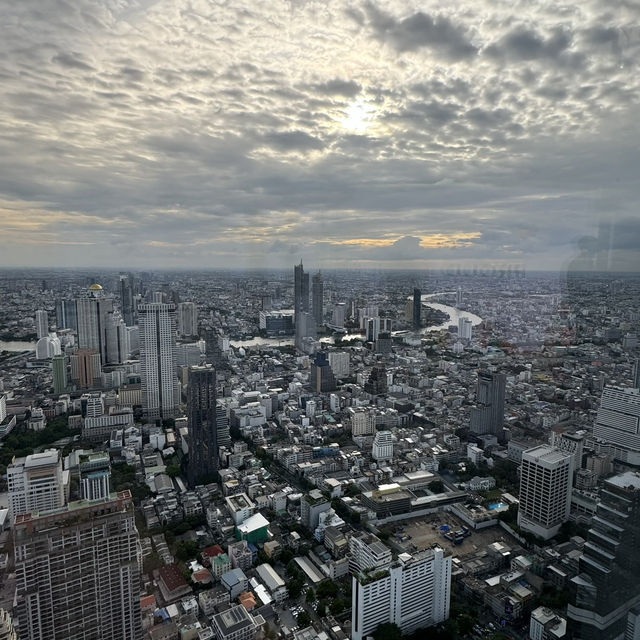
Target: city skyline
{"x":386,"y":135}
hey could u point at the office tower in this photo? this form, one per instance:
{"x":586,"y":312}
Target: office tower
{"x":35,"y":483}
{"x":95,"y":476}
{"x":417,"y":308}
{"x":203,"y":434}
{"x":459,"y":296}
{"x":339,"y":363}
{"x":339,"y":314}
{"x":382,"y":448}
{"x":77,"y":572}
{"x":569,"y":441}
{"x":59,"y":369}
{"x":317,"y":298}
{"x":305,"y":327}
{"x":546,"y":479}
{"x":465,"y":329}
{"x":488,"y":414}
{"x":127,"y":299}
{"x":42,"y":323}
{"x":384,"y":343}
{"x":187,"y":319}
{"x":322,"y":379}
{"x":372,"y":328}
{"x":363,"y":421}
{"x":223,"y":427}
{"x":160,"y":391}
{"x":617,"y":424}
{"x":636,"y":373}
{"x":606,"y":592}
{"x":98,"y":323}
{"x":377,"y":381}
{"x":66,"y":315}
{"x":412,"y":592}
{"x":86,"y":371}
{"x":300,"y":291}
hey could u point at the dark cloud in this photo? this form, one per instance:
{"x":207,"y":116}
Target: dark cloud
{"x":421,"y":30}
{"x":293,"y":141}
{"x":338,"y":87}
{"x":72,"y":61}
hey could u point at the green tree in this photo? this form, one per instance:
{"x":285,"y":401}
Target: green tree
{"x":295,"y":587}
{"x":436,"y":486}
{"x":321,"y":608}
{"x":337,"y":606}
{"x":303,"y":619}
{"x":311,"y":595}
{"x":387,"y":631}
{"x":327,"y":589}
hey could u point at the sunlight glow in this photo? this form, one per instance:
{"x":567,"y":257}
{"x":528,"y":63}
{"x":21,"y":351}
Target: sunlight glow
{"x":359,"y":116}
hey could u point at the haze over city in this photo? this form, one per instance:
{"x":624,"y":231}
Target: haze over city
{"x":398,"y":134}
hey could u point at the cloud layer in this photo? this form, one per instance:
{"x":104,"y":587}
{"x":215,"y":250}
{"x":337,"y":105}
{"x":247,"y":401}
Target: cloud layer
{"x":197,"y":133}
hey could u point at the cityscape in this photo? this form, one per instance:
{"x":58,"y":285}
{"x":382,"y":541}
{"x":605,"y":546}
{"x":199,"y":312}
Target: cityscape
{"x":319,"y":320}
{"x":319,"y":454}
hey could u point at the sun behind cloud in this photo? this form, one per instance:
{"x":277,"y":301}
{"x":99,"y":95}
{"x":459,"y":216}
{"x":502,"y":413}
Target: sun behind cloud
{"x":358,"y":116}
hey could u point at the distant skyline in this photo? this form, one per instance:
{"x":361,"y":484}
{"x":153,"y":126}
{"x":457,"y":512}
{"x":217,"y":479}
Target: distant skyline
{"x":193,"y":134}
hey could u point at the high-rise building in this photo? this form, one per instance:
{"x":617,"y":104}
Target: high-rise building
{"x":223,"y":427}
{"x":606,"y":593}
{"x":311,"y":506}
{"x":636,"y":373}
{"x":417,"y":308}
{"x":363,"y":421}
{"x":339,"y":314}
{"x":322,"y":379}
{"x":382,"y":448}
{"x":77,"y":572}
{"x":127,"y":298}
{"x":367,"y":551}
{"x":488,"y":414}
{"x":413,"y":592}
{"x":85,"y":368}
{"x":459,"y":296}
{"x":66,"y":315}
{"x":42,"y":323}
{"x":465,"y":328}
{"x":376,"y":384}
{"x":546,"y":479}
{"x":158,"y":369}
{"x":372,"y":328}
{"x":187,"y":319}
{"x":317,"y":298}
{"x":59,"y":372}
{"x":95,"y":476}
{"x":618,"y":424}
{"x":339,"y":363}
{"x":35,"y":483}
{"x":300,"y":291}
{"x":203,"y":434}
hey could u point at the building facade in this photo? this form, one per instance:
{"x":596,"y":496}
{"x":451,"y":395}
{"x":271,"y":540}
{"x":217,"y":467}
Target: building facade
{"x":488,"y":414}
{"x":203,"y":433}
{"x":77,"y":572}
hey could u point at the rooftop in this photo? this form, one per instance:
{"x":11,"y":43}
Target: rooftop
{"x":626,"y":480}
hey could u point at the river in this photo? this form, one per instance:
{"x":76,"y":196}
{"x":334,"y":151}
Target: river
{"x":453,"y":313}
{"x":17,"y":345}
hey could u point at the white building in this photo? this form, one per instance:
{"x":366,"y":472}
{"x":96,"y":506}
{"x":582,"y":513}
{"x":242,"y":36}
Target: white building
{"x":413,"y":593}
{"x":47,"y":347}
{"x":367,"y":551}
{"x":363,"y":421}
{"x":546,"y":479}
{"x":236,"y":623}
{"x":35,"y":483}
{"x":382,"y":446}
{"x":339,"y":363}
{"x":160,"y":391}
{"x":618,"y":423}
{"x":465,"y":329}
{"x":274,"y":583}
{"x":546,"y":625}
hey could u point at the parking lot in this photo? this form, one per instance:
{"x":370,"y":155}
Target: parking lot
{"x":424,"y":532}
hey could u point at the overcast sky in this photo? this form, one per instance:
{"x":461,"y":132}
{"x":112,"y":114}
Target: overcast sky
{"x":389,"y":134}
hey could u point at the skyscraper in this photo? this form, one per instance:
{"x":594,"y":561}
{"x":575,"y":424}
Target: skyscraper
{"x":317,"y":297}
{"x":488,"y":414}
{"x":300,"y":291}
{"x":42,"y":323}
{"x":85,"y":368}
{"x":606,"y":591}
{"x":187,"y":319}
{"x":413,"y":592}
{"x":546,"y":478}
{"x":77,"y":572}
{"x":66,"y":315}
{"x":59,"y":369}
{"x":322,"y":378}
{"x":95,"y":476}
{"x":203,"y":433}
{"x":100,"y":326}
{"x":382,"y":448}
{"x":617,"y":424}
{"x":160,"y":391}
{"x":127,"y":295}
{"x":417,"y":308}
{"x":376,"y":384}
